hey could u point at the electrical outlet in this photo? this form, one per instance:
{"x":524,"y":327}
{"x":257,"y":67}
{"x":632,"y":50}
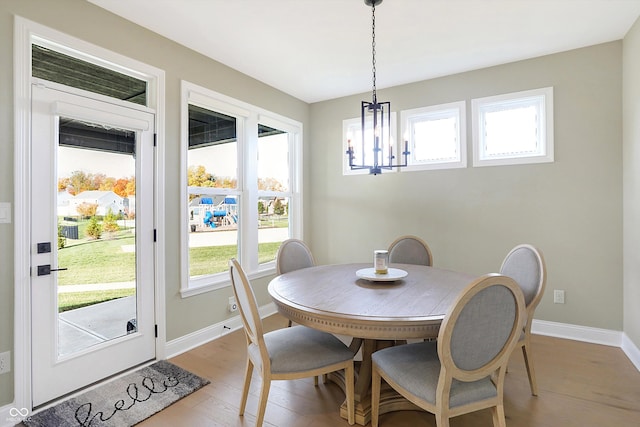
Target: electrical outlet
{"x":558,"y":296}
{"x":5,"y":362}
{"x":233,"y":304}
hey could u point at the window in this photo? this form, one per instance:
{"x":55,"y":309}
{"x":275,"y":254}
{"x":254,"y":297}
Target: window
{"x":49,"y":64}
{"x":514,"y":128}
{"x":274,"y":189}
{"x":352,"y":137}
{"x":241,"y":180}
{"x":212,"y":186}
{"x":435,"y":136}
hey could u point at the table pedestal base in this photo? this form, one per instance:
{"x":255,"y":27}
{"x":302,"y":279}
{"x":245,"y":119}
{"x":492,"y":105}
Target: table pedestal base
{"x":390,"y":400}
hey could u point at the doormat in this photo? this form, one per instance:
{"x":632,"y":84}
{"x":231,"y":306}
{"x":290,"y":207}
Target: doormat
{"x":123,"y":402}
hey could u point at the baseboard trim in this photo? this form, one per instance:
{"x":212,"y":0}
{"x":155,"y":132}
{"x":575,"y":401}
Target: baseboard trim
{"x":591,"y":335}
{"x":578,"y":333}
{"x":631,"y":350}
{"x":210,"y":333}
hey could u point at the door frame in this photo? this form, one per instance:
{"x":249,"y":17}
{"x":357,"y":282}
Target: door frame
{"x":25,"y":32}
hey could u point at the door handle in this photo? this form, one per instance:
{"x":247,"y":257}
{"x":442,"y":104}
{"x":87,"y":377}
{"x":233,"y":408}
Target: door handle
{"x":44,"y":270}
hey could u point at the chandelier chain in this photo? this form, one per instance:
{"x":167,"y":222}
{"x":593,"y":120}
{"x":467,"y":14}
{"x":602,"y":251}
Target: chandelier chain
{"x":373,"y":49}
{"x":375,"y":116}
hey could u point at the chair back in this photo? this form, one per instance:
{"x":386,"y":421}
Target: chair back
{"x":293,"y":254}
{"x":480,"y":331}
{"x":247,"y":306}
{"x":525,"y":264}
{"x":410,"y":250}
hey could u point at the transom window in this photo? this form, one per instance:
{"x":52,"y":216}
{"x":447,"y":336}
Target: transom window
{"x":435,"y":136}
{"x":52,"y":65}
{"x":513,"y":128}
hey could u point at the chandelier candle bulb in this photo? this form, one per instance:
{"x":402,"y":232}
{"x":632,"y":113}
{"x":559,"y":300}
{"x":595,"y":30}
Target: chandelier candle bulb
{"x":381,"y":261}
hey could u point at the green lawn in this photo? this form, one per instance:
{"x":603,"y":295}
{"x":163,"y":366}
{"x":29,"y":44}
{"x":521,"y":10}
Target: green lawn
{"x":215,"y":259}
{"x":97,"y":261}
{"x":280,"y":222}
{"x":104,"y":261}
{"x":73,"y":300}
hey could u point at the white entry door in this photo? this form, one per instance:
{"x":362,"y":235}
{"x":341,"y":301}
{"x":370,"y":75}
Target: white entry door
{"x":92,"y":275}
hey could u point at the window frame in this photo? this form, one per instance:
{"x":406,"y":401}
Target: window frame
{"x":545,"y":128}
{"x":247,"y":119}
{"x":430,"y":113}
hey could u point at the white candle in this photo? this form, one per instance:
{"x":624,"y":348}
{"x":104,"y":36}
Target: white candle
{"x":380,"y":261}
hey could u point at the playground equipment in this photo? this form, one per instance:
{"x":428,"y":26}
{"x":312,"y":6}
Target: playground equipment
{"x":207,"y":215}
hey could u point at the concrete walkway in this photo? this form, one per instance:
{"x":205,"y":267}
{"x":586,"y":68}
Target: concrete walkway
{"x":87,"y":326}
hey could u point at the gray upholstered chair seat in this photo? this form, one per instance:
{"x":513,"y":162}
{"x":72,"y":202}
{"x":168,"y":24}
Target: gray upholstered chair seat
{"x":299,"y":349}
{"x":416,"y":368}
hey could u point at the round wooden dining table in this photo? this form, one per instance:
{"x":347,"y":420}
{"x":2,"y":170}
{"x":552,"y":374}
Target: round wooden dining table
{"x":375,"y":313}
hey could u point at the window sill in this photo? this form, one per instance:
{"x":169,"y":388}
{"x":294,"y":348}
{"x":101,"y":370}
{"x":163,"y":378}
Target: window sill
{"x":416,"y":167}
{"x":221,"y":283}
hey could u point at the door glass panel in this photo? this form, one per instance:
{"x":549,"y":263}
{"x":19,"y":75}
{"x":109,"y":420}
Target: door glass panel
{"x":273,"y":190}
{"x":96,"y":175}
{"x":212,"y":180}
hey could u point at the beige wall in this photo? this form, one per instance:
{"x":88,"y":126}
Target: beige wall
{"x":631,"y":168}
{"x":572,"y":208}
{"x":92,"y":24}
{"x":471,"y":218}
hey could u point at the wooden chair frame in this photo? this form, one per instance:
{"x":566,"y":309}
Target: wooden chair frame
{"x":280,"y":261}
{"x":254,"y":335}
{"x":416,"y":239}
{"x":496,"y":368}
{"x":525,"y":341}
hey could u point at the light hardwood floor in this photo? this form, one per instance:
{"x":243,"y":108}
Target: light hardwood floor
{"x":579,"y":385}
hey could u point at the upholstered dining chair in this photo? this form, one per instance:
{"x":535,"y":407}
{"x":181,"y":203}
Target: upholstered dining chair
{"x":293,"y":254}
{"x":525,"y":264}
{"x":410,"y":250}
{"x":287,"y":353}
{"x":464,"y":370}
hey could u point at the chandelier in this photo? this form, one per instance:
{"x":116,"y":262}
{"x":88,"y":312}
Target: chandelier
{"x":375,"y":123}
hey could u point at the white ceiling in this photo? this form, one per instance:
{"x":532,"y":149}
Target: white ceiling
{"x":318,"y":50}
